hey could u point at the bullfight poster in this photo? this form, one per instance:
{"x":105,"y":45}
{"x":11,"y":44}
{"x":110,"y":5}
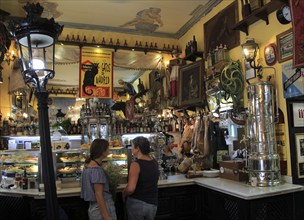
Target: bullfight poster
{"x":96,"y":73}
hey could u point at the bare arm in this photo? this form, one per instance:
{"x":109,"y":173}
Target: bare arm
{"x":101,"y":201}
{"x":132,"y":180}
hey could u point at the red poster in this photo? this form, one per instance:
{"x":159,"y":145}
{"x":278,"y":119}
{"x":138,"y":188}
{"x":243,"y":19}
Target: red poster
{"x":96,"y":73}
{"x":297,"y":9}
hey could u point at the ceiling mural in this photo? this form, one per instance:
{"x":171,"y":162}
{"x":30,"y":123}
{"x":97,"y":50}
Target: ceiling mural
{"x":146,"y":20}
{"x":169,"y":19}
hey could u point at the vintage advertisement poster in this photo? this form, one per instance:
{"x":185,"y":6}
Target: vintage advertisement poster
{"x":96,"y":73}
{"x":293,"y":81}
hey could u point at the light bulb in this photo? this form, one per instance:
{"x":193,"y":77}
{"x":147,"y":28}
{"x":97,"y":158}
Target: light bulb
{"x":38,"y":64}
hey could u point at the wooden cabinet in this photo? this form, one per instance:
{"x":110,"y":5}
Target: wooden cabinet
{"x":220,"y":206}
{"x":181,"y":202}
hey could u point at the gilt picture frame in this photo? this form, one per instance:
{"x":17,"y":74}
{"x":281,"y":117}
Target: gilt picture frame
{"x":191,"y":86}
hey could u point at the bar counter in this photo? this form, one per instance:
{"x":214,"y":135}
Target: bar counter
{"x":229,"y":187}
{"x":205,"y":197}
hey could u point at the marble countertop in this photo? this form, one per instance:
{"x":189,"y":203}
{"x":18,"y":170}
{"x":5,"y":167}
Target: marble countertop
{"x":229,"y":187}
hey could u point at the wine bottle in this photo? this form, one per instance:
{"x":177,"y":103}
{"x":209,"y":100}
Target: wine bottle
{"x":194,"y":44}
{"x":25,"y":180}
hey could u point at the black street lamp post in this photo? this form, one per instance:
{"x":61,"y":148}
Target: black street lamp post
{"x":36,"y":38}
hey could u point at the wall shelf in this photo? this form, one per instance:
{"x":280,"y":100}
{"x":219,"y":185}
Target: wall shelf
{"x":194,"y":55}
{"x":259,"y":14}
{"x":118,"y":47}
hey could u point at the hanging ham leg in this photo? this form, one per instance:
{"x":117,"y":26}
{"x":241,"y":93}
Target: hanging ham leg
{"x":206,"y":140}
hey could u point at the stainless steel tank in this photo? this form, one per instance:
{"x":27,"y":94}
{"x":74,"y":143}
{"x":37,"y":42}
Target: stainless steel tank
{"x":263,"y":159}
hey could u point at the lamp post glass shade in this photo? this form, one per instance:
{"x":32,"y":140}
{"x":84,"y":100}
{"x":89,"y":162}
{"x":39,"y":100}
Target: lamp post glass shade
{"x":36,"y":37}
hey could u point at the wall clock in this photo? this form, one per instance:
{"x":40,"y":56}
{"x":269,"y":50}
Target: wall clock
{"x":284,"y":14}
{"x":270,"y":54}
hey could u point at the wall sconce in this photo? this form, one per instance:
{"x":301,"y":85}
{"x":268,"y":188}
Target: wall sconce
{"x":36,"y":38}
{"x":249,"y":51}
{"x":9,"y":56}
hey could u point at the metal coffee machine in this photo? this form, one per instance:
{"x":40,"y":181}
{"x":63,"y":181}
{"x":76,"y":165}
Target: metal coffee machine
{"x":263,"y":159}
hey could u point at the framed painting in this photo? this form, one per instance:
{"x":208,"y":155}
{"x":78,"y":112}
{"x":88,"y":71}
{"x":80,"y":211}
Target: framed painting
{"x":191,"y":86}
{"x":299,"y":142}
{"x":285,"y":46}
{"x":297,"y":8}
{"x":218,"y":30}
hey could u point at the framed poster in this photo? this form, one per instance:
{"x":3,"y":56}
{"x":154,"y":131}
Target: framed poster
{"x":270,"y":54}
{"x":96,"y":73}
{"x":285,"y":46}
{"x":298,"y":114}
{"x":299,"y":143}
{"x":293,"y":80}
{"x":297,"y":8}
{"x":218,"y":30}
{"x":191,"y":84}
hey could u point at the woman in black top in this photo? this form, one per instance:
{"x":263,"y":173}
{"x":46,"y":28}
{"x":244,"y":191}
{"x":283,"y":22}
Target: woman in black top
{"x":141,"y":192}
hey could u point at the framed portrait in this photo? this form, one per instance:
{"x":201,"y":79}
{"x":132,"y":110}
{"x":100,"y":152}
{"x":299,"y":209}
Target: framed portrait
{"x":249,"y":71}
{"x":285,"y":46}
{"x":219,"y":29}
{"x":299,"y":142}
{"x":191,"y":84}
{"x":270,"y":54}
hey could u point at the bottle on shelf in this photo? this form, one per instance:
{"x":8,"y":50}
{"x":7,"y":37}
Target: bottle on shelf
{"x":209,"y":59}
{"x":25,"y":180}
{"x":111,"y":41}
{"x":220,"y":53}
{"x":78,"y":38}
{"x":246,"y":8}
{"x":215,"y":55}
{"x":103,"y":42}
{"x":194,"y":44}
{"x":226,"y":55}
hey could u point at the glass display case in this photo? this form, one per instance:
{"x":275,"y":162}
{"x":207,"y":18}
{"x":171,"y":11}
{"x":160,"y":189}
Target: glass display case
{"x":15,"y":164}
{"x":68,"y":165}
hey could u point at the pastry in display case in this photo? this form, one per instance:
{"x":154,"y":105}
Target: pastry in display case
{"x":16,"y":163}
{"x":69,"y":165}
{"x":120,"y":156}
